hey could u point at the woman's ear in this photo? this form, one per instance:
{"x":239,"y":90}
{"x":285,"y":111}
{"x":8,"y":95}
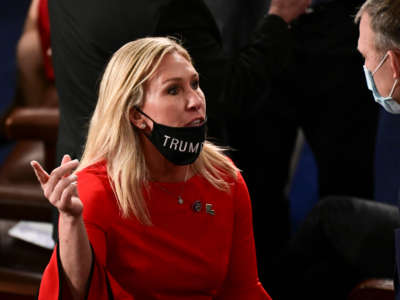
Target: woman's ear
{"x":136,"y":118}
{"x":394,"y":58}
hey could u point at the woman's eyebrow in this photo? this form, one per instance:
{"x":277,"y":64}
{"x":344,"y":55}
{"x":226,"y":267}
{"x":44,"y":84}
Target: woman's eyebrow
{"x":172,"y":79}
{"x":194,"y":75}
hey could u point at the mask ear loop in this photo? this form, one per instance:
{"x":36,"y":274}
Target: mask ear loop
{"x":140,"y":111}
{"x":381,"y":63}
{"x":394,"y":86}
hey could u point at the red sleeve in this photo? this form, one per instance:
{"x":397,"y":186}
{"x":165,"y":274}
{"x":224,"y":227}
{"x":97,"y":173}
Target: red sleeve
{"x":101,"y":284}
{"x":242,"y":279}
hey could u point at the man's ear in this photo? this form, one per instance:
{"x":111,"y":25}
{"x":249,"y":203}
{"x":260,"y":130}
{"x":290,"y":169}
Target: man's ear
{"x":394,"y":58}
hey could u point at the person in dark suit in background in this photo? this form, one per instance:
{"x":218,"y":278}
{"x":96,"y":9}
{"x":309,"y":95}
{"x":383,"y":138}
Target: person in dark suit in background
{"x":321,"y":93}
{"x":345,"y":240}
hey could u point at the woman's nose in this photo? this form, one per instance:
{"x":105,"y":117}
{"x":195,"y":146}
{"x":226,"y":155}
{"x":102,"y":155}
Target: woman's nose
{"x":194,"y":100}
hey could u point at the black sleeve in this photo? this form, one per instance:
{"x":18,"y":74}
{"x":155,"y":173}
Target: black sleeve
{"x":229,"y":82}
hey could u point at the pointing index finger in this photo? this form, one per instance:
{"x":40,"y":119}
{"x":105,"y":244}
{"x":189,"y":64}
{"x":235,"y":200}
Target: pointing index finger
{"x":41,"y":174}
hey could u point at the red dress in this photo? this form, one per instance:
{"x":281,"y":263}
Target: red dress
{"x":185,"y":254}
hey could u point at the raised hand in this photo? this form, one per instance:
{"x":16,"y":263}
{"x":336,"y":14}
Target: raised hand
{"x":60,"y":186}
{"x":288,"y":9}
{"x":75,"y":252}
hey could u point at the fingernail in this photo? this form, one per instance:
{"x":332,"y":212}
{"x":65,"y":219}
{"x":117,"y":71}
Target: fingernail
{"x":73,"y":177}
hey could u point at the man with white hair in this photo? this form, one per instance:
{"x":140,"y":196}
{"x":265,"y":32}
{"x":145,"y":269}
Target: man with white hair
{"x":379,"y":44}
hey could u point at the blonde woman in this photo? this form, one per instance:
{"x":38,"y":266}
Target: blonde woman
{"x":153,"y":211}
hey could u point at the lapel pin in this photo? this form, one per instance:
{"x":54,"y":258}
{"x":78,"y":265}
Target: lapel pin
{"x":196,"y":206}
{"x":209,"y":209}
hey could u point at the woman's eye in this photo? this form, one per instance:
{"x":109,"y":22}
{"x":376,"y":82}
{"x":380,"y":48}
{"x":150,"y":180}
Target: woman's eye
{"x":195,"y":84}
{"x":173,"y":90}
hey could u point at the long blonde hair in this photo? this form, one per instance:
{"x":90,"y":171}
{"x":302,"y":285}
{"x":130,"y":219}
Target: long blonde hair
{"x":112,"y":137}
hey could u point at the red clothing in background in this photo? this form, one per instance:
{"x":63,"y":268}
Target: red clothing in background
{"x":184,"y":255}
{"x":44,"y":33}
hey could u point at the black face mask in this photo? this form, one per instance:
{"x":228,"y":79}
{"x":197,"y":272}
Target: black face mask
{"x":179,"y":145}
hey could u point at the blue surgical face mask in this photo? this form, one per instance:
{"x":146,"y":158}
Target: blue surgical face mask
{"x":388,"y":103}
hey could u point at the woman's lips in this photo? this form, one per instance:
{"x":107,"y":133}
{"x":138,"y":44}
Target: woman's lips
{"x":195,"y":122}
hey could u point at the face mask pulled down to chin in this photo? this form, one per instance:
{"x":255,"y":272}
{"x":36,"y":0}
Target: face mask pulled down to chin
{"x":179,"y":145}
